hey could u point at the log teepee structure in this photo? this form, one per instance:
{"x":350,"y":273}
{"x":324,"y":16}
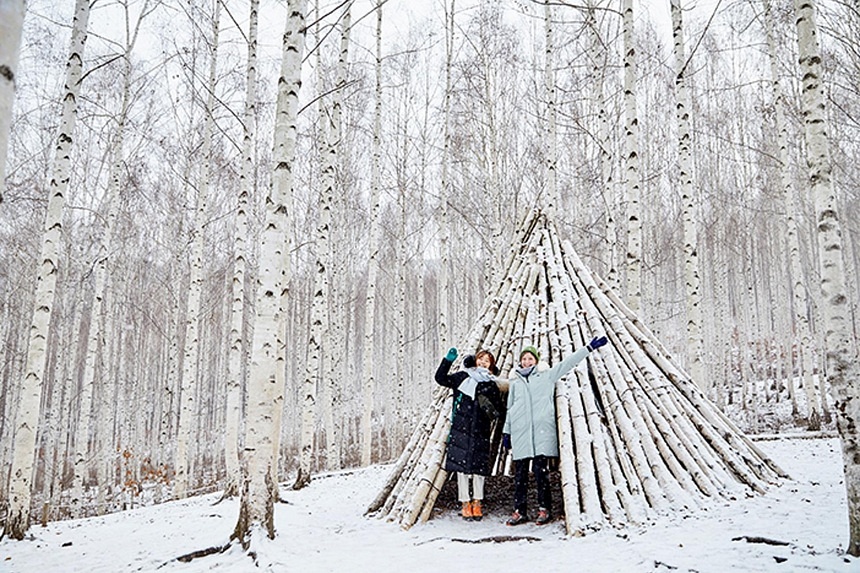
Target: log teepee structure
{"x":637,"y":437}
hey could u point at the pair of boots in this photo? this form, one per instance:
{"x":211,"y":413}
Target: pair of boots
{"x":517,"y":518}
{"x":472,"y":510}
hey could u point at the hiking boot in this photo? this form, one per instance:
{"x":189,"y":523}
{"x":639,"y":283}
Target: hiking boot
{"x":517,"y":518}
{"x":477,"y":515}
{"x":467,"y":511}
{"x":543,"y":517}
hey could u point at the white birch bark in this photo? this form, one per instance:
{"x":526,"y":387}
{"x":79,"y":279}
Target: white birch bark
{"x":370,"y":312}
{"x":631,"y":167}
{"x":749,"y":322}
{"x":446,"y":187}
{"x":26,"y":422}
{"x":842,"y":361}
{"x":95,"y":339}
{"x":53,"y":418}
{"x":105,"y":416}
{"x":400,"y":406}
{"x":550,"y":91}
{"x":800,"y":302}
{"x":325,"y":136}
{"x":237,"y":309}
{"x":278,"y":389}
{"x":170,"y":387}
{"x":11,"y":24}
{"x":256,"y":511}
{"x":722,"y":342}
{"x":607,"y":183}
{"x":334,"y":332}
{"x":313,"y":380}
{"x":334,"y":369}
{"x":190,"y":362}
{"x":685,"y":160}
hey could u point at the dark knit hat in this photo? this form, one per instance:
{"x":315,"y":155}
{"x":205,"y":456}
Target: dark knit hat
{"x":531,"y":350}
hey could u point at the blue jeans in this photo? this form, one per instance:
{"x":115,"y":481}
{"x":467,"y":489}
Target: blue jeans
{"x":540,"y":467}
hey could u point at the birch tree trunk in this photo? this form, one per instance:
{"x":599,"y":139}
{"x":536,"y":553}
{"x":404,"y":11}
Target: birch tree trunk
{"x":444,"y":219}
{"x":798,"y":280}
{"x":607,"y":184}
{"x":105,"y":414}
{"x":685,"y":160}
{"x":551,"y":146}
{"x":53,"y":417}
{"x":95,"y":338}
{"x":631,"y":168}
{"x":368,"y":380}
{"x":842,"y":361}
{"x":27,"y":419}
{"x":190,"y":362}
{"x":334,"y":330}
{"x":334,"y":343}
{"x":170,"y":387}
{"x":237,"y":308}
{"x":399,"y":394}
{"x":256,"y":510}
{"x":11,"y":24}
{"x":327,"y":168}
{"x":320,"y":302}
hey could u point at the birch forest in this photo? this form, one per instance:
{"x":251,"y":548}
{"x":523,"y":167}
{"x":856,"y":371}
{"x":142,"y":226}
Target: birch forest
{"x":236,"y":238}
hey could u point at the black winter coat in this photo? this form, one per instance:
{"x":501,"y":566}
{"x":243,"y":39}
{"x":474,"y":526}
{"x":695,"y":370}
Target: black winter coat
{"x":469,"y":439}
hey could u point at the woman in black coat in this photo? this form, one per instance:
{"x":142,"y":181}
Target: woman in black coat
{"x":477,"y":402}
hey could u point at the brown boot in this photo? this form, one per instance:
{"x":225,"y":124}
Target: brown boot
{"x":476,"y":510}
{"x":467,"y":511}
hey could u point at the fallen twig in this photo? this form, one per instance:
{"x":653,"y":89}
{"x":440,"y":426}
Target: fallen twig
{"x":493,"y":539}
{"x":756,"y":539}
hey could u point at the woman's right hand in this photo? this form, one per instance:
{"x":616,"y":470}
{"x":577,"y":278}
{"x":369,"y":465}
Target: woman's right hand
{"x":452,"y":354}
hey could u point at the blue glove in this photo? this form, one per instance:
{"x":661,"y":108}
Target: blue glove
{"x":506,"y":441}
{"x":452,"y":355}
{"x":596,"y":343}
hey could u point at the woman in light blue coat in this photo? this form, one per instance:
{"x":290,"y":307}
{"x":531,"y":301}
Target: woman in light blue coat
{"x":530,"y":427}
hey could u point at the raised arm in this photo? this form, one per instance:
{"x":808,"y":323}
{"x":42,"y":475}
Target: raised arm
{"x":442,"y":376}
{"x":572,"y":360}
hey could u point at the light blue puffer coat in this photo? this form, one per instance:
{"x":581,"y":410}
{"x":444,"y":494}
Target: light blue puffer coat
{"x":531,"y":409}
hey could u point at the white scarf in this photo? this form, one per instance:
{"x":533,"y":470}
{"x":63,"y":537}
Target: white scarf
{"x":470,"y":384}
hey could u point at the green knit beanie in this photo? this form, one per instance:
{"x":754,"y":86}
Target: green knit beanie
{"x":531,"y":350}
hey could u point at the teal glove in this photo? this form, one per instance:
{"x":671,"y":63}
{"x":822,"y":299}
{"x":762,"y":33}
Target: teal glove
{"x":452,"y":355}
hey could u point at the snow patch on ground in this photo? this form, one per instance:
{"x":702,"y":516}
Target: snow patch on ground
{"x":322,"y":528}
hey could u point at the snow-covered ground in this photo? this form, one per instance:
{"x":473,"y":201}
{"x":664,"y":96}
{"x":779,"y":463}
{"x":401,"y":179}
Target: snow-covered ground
{"x":322,"y":528}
